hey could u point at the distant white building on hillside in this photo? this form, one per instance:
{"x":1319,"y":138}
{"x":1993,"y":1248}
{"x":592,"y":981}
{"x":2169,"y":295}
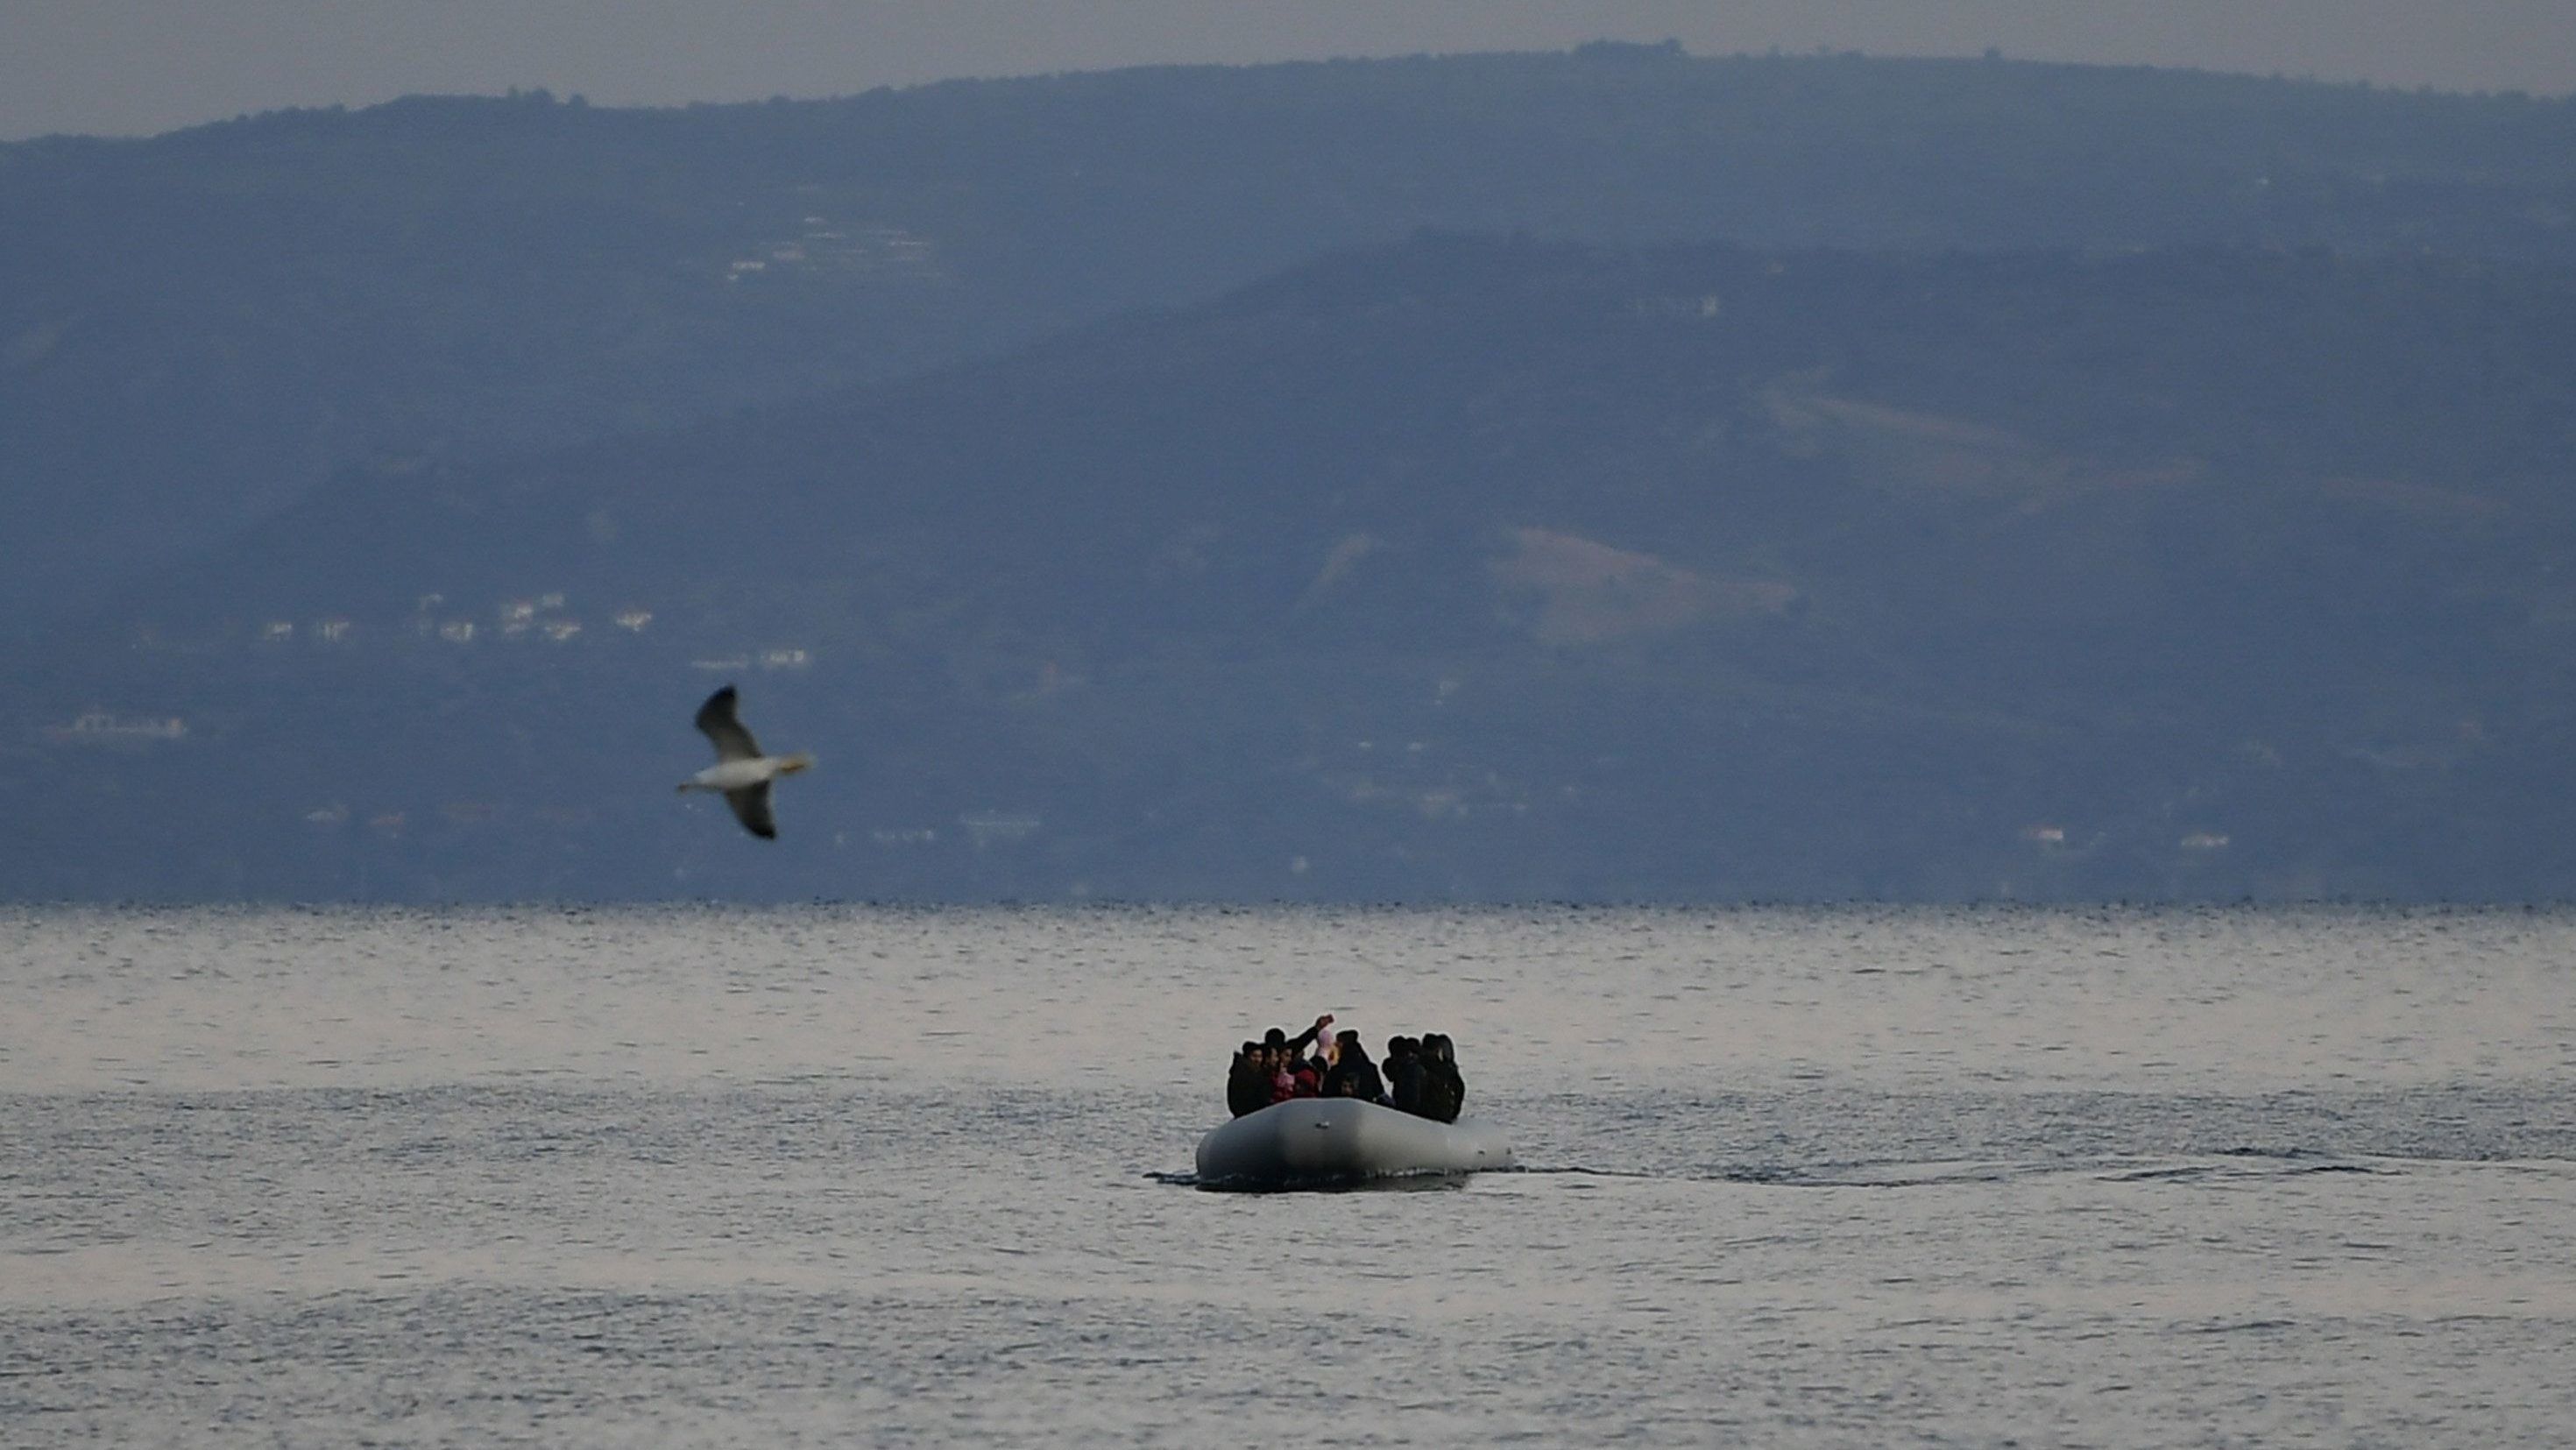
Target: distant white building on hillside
{"x":988,"y":827}
{"x":97,"y":727}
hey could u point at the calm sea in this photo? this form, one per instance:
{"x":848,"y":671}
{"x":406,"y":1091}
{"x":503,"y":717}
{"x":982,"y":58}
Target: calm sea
{"x":850,"y":1176}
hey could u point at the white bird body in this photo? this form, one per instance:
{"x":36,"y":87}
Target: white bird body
{"x":741,"y":772}
{"x":736,"y":774}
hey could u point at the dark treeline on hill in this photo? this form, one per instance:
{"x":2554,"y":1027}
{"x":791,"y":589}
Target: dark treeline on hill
{"x":1467,"y":567}
{"x":199,"y":329}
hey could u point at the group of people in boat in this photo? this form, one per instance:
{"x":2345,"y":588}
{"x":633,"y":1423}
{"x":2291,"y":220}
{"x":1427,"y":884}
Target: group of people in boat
{"x":1420,"y":1075}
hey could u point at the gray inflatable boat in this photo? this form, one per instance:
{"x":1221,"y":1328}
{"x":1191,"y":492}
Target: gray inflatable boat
{"x":1315,"y":1141}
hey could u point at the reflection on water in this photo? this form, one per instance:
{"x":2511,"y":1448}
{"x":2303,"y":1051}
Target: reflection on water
{"x":750,"y":1178}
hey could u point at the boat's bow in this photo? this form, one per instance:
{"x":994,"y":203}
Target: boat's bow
{"x":1340,"y":1140}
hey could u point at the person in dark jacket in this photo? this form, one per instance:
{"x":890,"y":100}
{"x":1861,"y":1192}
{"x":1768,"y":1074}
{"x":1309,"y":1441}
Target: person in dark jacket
{"x":1296,"y":1046}
{"x":1247,"y":1082}
{"x":1275,"y":1062}
{"x":1403,"y":1075}
{"x":1352,"y":1074}
{"x":1444,"y":1092}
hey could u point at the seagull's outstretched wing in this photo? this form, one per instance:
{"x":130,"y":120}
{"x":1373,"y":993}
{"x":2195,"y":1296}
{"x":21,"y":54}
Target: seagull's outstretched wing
{"x":715,"y":719}
{"x":751,"y":807}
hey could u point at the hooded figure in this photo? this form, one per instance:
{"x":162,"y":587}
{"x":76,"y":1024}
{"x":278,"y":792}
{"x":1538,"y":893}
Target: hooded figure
{"x":1444,"y":1092}
{"x":1403,"y":1075}
{"x":1247,"y":1083}
{"x":1352,"y":1074}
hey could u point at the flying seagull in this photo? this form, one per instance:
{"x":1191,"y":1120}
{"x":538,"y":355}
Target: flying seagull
{"x":741,"y":771}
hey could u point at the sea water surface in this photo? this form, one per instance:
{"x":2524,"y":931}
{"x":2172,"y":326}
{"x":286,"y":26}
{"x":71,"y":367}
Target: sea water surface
{"x":857,"y":1176}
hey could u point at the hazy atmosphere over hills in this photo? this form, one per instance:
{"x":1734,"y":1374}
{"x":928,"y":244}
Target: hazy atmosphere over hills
{"x":136,"y":66}
{"x":1604,"y":475}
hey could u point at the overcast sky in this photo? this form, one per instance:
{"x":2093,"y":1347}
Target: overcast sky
{"x":137,"y":66}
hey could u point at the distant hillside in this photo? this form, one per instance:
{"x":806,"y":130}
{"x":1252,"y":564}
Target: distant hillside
{"x":197,"y":329}
{"x":1461,"y":568}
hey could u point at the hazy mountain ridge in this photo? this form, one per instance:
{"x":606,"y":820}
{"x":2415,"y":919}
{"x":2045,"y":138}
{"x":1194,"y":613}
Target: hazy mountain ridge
{"x":197,"y":329}
{"x":1465,"y":567}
